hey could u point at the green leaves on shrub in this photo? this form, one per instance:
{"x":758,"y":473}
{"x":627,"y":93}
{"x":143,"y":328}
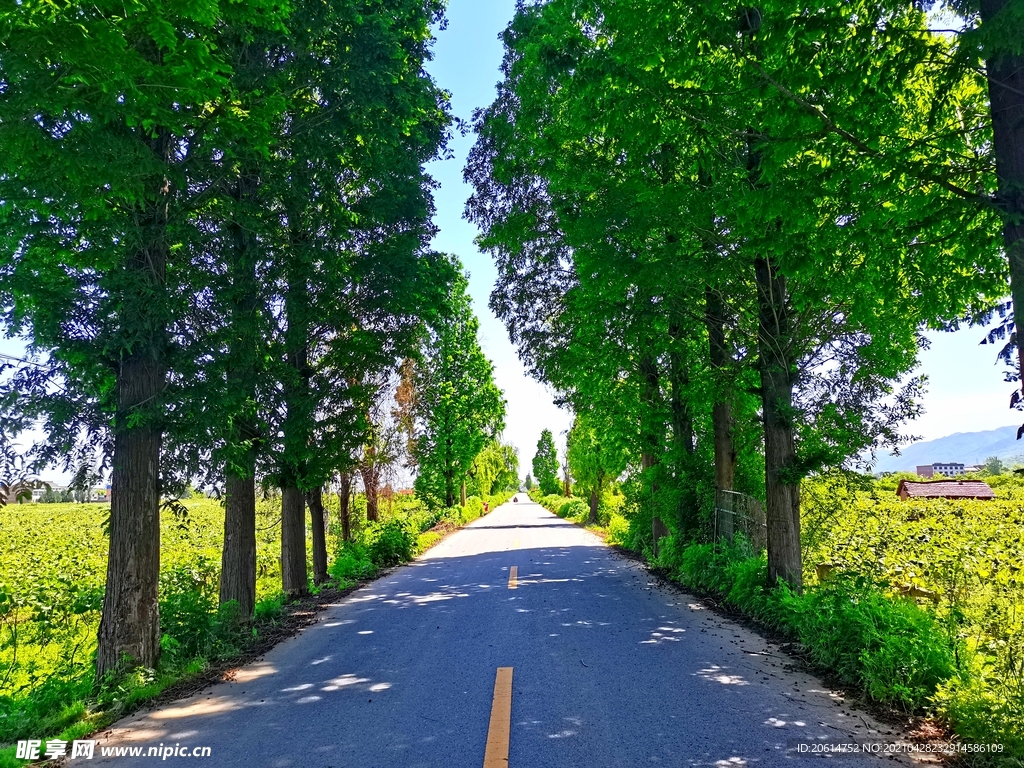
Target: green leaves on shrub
{"x":891,"y":649}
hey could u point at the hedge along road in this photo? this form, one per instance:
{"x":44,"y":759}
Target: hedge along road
{"x":574,"y":658}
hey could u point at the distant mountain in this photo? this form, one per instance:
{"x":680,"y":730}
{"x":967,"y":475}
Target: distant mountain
{"x":963,"y":447}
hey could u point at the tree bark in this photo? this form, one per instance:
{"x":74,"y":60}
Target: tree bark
{"x":315,"y":502}
{"x":777,"y":368}
{"x":238,"y":557}
{"x":370,"y":486}
{"x":129,"y":632}
{"x":462,"y":493}
{"x":649,"y":435}
{"x":721,"y":414}
{"x":1006,"y":97}
{"x":294,"y":577}
{"x":297,"y":421}
{"x":595,"y":501}
{"x":721,"y":409}
{"x":682,"y":419}
{"x":344,"y":504}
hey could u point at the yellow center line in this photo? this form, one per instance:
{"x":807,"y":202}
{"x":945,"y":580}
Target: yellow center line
{"x":496,"y":753}
{"x":513,"y":577}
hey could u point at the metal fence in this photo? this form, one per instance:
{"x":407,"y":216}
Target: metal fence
{"x":739,"y":513}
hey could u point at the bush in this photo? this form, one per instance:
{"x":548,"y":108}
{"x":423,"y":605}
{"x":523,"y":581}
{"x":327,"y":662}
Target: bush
{"x":352,"y":563}
{"x":391,"y":543}
{"x":618,"y":530}
{"x":891,"y":649}
{"x":188,"y":606}
{"x":474,"y":508}
{"x":576,"y":510}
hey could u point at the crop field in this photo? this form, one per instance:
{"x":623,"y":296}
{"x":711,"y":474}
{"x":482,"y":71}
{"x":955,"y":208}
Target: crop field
{"x":52,"y":572}
{"x":961,"y":560}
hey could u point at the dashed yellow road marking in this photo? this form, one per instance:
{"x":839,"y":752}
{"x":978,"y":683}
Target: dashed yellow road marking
{"x":496,"y":753}
{"x":513,"y":577}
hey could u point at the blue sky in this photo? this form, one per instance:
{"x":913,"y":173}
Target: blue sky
{"x":966,"y":390}
{"x":467,"y":57}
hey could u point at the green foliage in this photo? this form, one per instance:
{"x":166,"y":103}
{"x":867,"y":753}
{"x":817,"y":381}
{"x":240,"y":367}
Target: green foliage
{"x":618,"y":530}
{"x":528,"y":482}
{"x":391,"y":543}
{"x":495,"y":470}
{"x":459,"y":407}
{"x":545,"y":464}
{"x":352,"y":563}
{"x":576,"y":510}
{"x":594,"y":459}
{"x":891,"y":649}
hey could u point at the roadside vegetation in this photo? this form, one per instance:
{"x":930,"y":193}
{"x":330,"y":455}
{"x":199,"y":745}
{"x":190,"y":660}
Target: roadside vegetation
{"x":51,"y":599}
{"x":918,"y":605}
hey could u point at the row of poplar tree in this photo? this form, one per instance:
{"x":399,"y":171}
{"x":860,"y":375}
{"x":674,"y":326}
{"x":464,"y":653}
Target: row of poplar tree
{"x":214,"y":231}
{"x":722,"y":231}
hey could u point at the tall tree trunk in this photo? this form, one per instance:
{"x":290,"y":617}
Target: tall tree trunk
{"x":129,"y":632}
{"x":725,"y":450}
{"x":297,"y":422}
{"x":721,"y":409}
{"x":649,"y":435}
{"x":449,"y":487}
{"x":294,"y":577}
{"x":595,"y":501}
{"x":462,"y":493}
{"x":344,"y":504}
{"x":1006,"y":96}
{"x":777,"y":367}
{"x":315,"y":502}
{"x":238,"y":556}
{"x":682,"y":419}
{"x":370,"y":484}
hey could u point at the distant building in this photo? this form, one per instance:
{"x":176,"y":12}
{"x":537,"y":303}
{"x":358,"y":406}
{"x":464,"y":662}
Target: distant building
{"x":947,"y":468}
{"x":945,"y":489}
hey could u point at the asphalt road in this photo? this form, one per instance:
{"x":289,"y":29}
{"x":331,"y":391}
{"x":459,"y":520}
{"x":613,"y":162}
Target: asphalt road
{"x":608,"y":669}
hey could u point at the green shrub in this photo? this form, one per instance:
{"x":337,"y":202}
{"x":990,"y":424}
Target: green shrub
{"x":978,"y":709}
{"x":188,"y":605}
{"x":352,"y":563}
{"x":474,"y":508}
{"x":426,"y":540}
{"x":391,"y":543}
{"x":889,"y":648}
{"x":618,"y":530}
{"x":576,"y":510}
{"x":269,"y":608}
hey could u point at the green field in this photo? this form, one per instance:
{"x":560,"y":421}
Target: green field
{"x":962,"y":561}
{"x":52,"y":572}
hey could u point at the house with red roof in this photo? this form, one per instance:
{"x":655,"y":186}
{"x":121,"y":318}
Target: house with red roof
{"x":945,"y":489}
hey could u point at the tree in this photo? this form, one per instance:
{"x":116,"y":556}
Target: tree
{"x":994,"y":465}
{"x":545,"y":464}
{"x":458,"y":406}
{"x":528,"y":482}
{"x":495,"y":469}
{"x":664,"y":250}
{"x":101,"y":106}
{"x":594,"y":462}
